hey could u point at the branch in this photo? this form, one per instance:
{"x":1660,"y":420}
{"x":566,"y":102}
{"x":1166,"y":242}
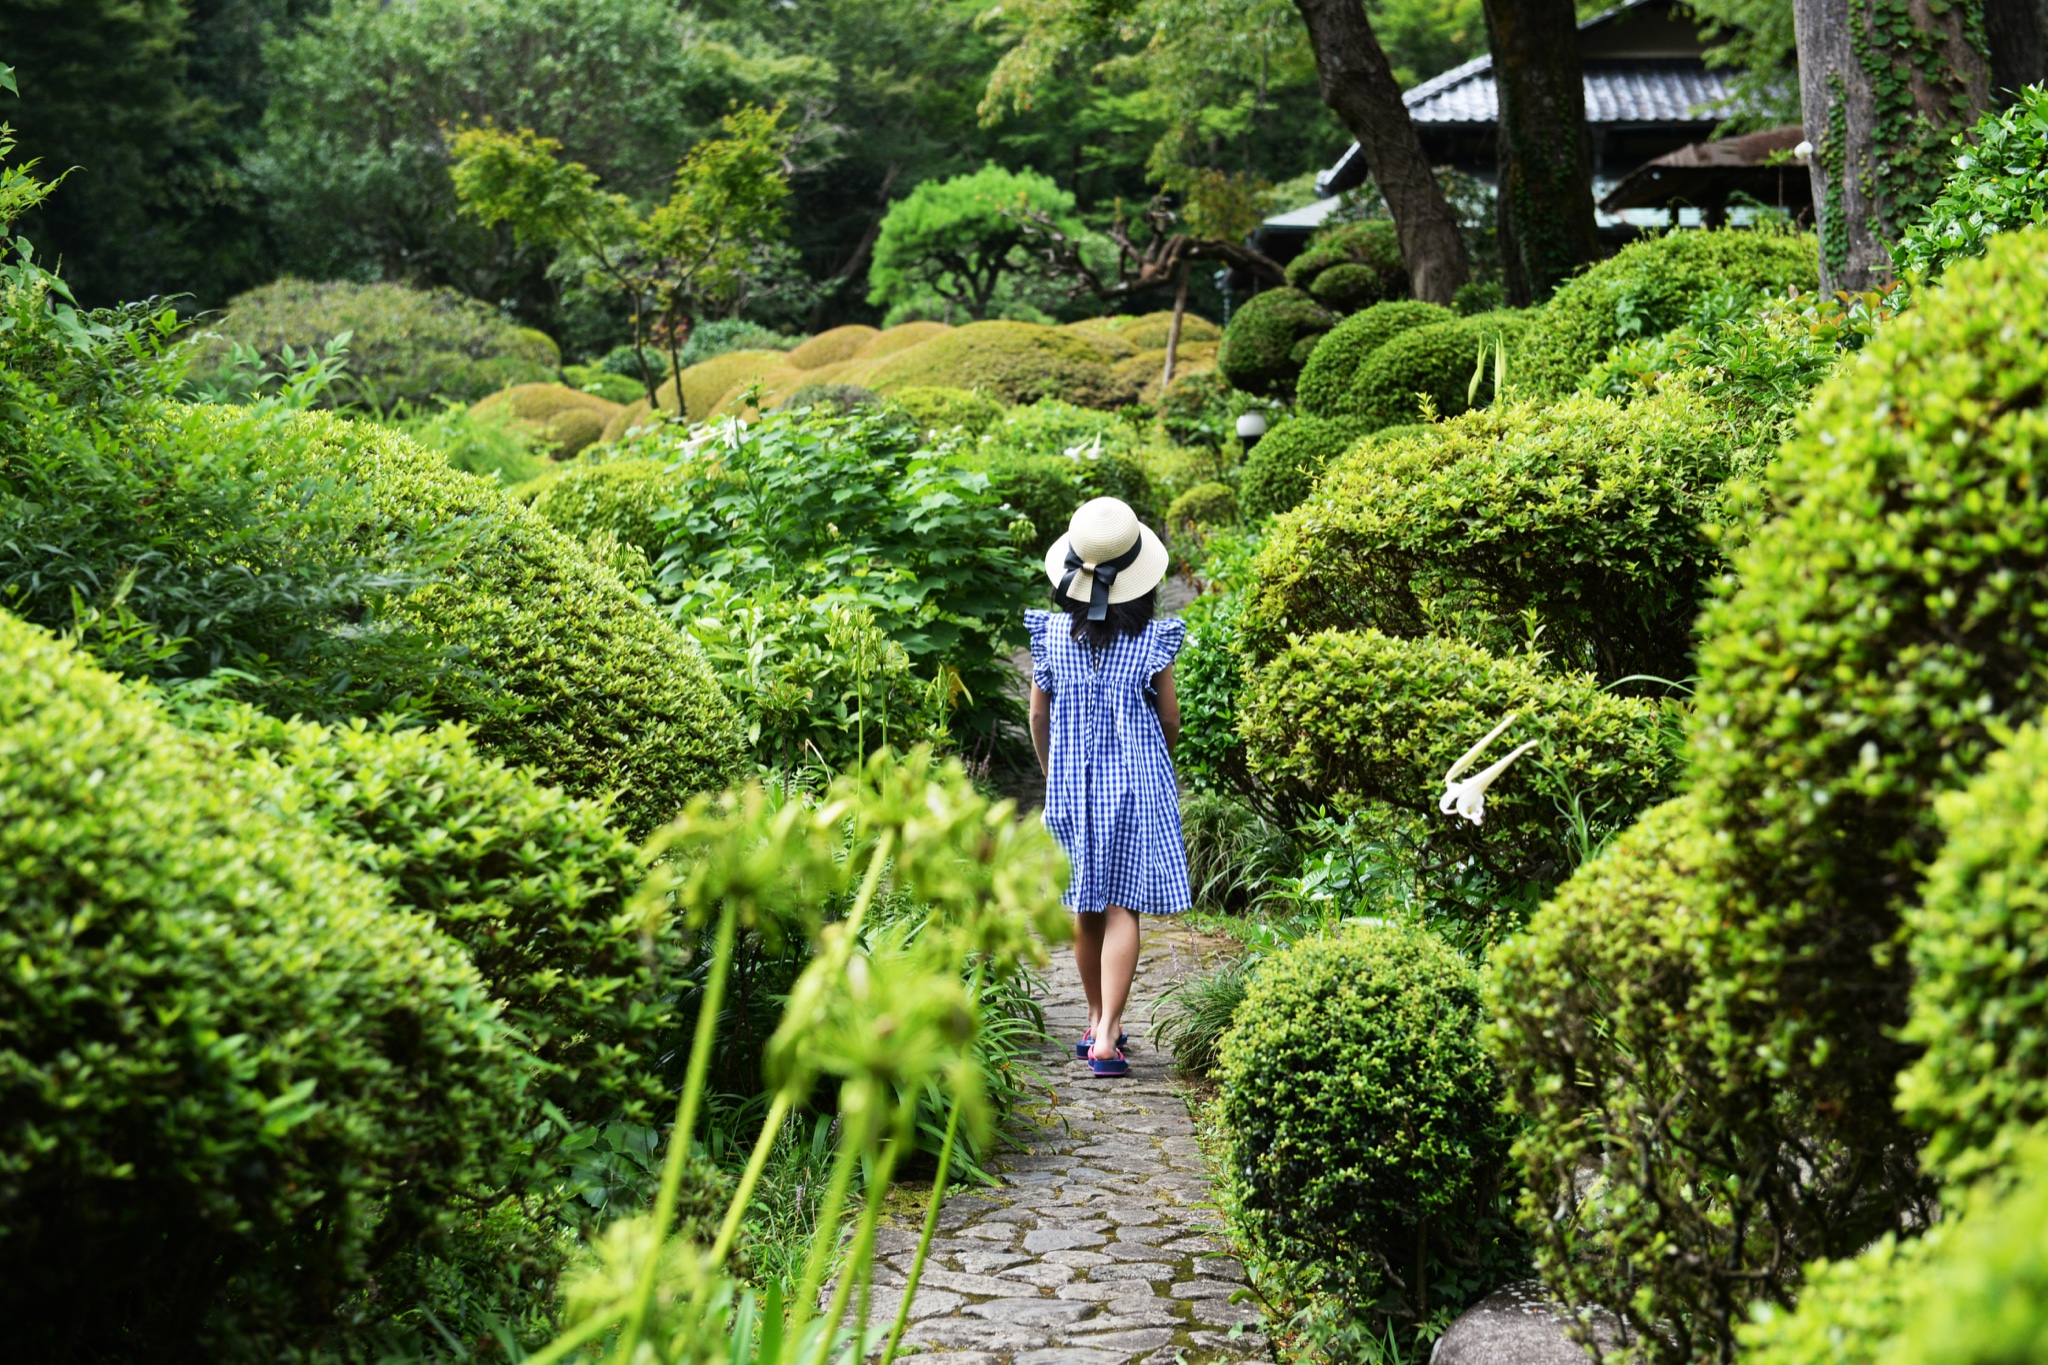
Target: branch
{"x":1151,"y":264}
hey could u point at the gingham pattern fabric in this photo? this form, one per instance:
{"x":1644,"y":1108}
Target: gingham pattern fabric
{"x":1112,"y":801}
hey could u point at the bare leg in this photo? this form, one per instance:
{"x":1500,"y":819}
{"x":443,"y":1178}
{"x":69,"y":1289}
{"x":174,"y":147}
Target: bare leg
{"x":1116,"y":966}
{"x":1088,"y":957}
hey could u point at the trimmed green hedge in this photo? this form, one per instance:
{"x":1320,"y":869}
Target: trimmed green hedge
{"x":1270,"y":338}
{"x":1325,"y":386}
{"x":1346,"y":720}
{"x":1583,"y":511}
{"x":621,"y":497}
{"x":1359,"y":1116}
{"x":1370,"y":255}
{"x":1980,"y":969}
{"x":1284,"y":465}
{"x":1434,"y":361}
{"x":576,"y":678}
{"x":233,"y":1080}
{"x":1206,"y":504}
{"x":943,"y":409}
{"x":1645,"y":289}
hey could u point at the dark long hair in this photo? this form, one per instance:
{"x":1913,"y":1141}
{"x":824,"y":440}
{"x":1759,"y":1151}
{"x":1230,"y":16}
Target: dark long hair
{"x":1125,"y":618}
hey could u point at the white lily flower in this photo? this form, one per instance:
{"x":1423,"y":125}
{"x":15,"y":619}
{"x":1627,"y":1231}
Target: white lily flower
{"x":1468,"y":798}
{"x":1089,"y":451}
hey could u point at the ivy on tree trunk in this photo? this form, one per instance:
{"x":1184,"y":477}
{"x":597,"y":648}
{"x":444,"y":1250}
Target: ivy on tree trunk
{"x":1545,"y":207}
{"x":1359,"y":86}
{"x":1884,"y":85}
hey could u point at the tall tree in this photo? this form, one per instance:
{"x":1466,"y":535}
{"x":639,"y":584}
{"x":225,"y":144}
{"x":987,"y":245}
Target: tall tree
{"x":1358,"y":85}
{"x":1884,"y":85}
{"x":1546,"y":156}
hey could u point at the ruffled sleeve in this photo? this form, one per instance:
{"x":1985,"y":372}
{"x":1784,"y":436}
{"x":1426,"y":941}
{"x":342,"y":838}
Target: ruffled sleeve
{"x":1168,"y":636}
{"x":1039,"y":623}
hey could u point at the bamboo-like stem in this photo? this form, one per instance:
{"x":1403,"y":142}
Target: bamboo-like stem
{"x":861,"y":1255}
{"x":686,"y":1126}
{"x":729,"y":1231}
{"x":931,"y":1210}
{"x":826,"y":1235}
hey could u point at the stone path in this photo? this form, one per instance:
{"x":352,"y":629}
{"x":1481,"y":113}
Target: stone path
{"x":1099,"y":1247}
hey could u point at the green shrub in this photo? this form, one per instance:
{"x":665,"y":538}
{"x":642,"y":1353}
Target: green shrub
{"x":622,"y":497}
{"x":1980,"y":969}
{"x":1200,"y":1011}
{"x":945,"y":410}
{"x":597,"y":380}
{"x":833,"y":346}
{"x":1206,"y":504}
{"x":1047,"y":458}
{"x":709,"y":340}
{"x":1270,"y":339}
{"x":233,"y":1080}
{"x":562,"y":419}
{"x":1235,"y":854}
{"x":1584,"y":512}
{"x":841,"y":398}
{"x":1208,"y":678}
{"x":581,"y":681}
{"x":405,"y":345}
{"x":1325,"y":386}
{"x":1201,"y":409}
{"x":1346,"y":720}
{"x":1433,"y":364}
{"x":1351,"y":266}
{"x":2000,"y":184}
{"x":1363,"y":1142}
{"x":1849,"y":1312}
{"x":490,"y":449}
{"x":1645,"y":290}
{"x":533,"y":883}
{"x":1011,"y":362}
{"x":1281,"y":469}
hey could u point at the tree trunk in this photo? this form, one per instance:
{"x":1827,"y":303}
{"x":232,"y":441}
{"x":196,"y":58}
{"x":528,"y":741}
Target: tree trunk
{"x":1180,"y":310}
{"x":1880,"y":122}
{"x":1547,"y":230}
{"x":2012,"y":32}
{"x":1359,"y":87}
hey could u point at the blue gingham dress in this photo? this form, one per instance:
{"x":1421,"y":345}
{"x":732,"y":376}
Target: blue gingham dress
{"x":1112,"y":800}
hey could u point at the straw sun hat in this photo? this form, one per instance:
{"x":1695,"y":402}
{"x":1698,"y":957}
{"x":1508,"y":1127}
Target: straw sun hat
{"x":1106,"y":556}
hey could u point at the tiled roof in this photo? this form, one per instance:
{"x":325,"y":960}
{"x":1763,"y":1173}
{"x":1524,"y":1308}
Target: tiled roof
{"x":1616,"y":92}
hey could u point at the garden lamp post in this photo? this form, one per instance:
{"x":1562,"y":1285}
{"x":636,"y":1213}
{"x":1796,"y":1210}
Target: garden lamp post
{"x":1250,"y":427}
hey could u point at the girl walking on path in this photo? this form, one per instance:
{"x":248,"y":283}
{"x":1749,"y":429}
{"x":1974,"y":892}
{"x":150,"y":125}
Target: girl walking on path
{"x":1104,"y":721}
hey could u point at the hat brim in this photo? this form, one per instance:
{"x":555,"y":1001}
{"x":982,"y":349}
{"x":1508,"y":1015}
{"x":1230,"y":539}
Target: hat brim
{"x":1143,"y":575}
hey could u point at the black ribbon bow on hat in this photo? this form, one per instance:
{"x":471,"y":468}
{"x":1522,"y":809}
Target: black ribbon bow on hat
{"x":1105,"y":575}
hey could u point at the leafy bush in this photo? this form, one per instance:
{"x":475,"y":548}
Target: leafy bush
{"x":533,"y":883}
{"x":1429,"y":370}
{"x":623,"y":498}
{"x":1342,"y":720}
{"x":233,"y":1081}
{"x":2000,"y":184}
{"x":562,"y":419}
{"x":1325,"y":389}
{"x":1363,"y":1141}
{"x":1206,"y":504}
{"x":1645,"y":289}
{"x":1208,"y":679}
{"x":841,"y":398}
{"x":709,"y":340}
{"x":1235,"y":853}
{"x":1980,"y":972}
{"x":1270,"y":339}
{"x":488,"y":448}
{"x":1011,"y":362}
{"x":1047,"y":458}
{"x":1281,"y":469}
{"x":946,"y":410}
{"x":405,"y":346}
{"x":613,"y":388}
{"x":1201,"y":409}
{"x":1199,"y":1013}
{"x":582,"y":682}
{"x":1583,"y":512}
{"x":1351,"y":266}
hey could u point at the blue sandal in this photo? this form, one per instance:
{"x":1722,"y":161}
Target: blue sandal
{"x":1087,"y":1044}
{"x":1110,"y":1066}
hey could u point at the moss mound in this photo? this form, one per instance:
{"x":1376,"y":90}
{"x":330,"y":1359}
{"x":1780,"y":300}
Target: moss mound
{"x":829,"y":348}
{"x":235,"y":1079}
{"x":901,"y":338}
{"x":1325,"y":386}
{"x":1134,"y":332}
{"x":638,"y":413}
{"x":943,"y":409}
{"x":586,"y":684}
{"x":565,"y":420}
{"x":1011,"y":362}
{"x":1646,"y":289}
{"x":1270,"y":339}
{"x":706,"y":383}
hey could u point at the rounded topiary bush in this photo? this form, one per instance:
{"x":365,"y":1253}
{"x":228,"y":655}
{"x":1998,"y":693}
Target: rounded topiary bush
{"x":1201,"y":409}
{"x":535,"y":885}
{"x":1325,"y":386}
{"x":706,"y":383}
{"x":1346,"y":720}
{"x":1362,"y":1135}
{"x":1011,"y":362}
{"x":233,"y":1079}
{"x":562,"y":419}
{"x":1130,"y":334}
{"x":405,"y":345}
{"x":902,"y":338}
{"x":941,"y":409}
{"x":1646,"y":289}
{"x":1980,"y":969}
{"x":1583,"y":511}
{"x":829,"y":348}
{"x":1433,"y":363}
{"x":1270,"y":338}
{"x":575,"y":676}
{"x":1281,"y":469}
{"x":1206,"y":504}
{"x":840,"y":398}
{"x":1351,"y":266}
